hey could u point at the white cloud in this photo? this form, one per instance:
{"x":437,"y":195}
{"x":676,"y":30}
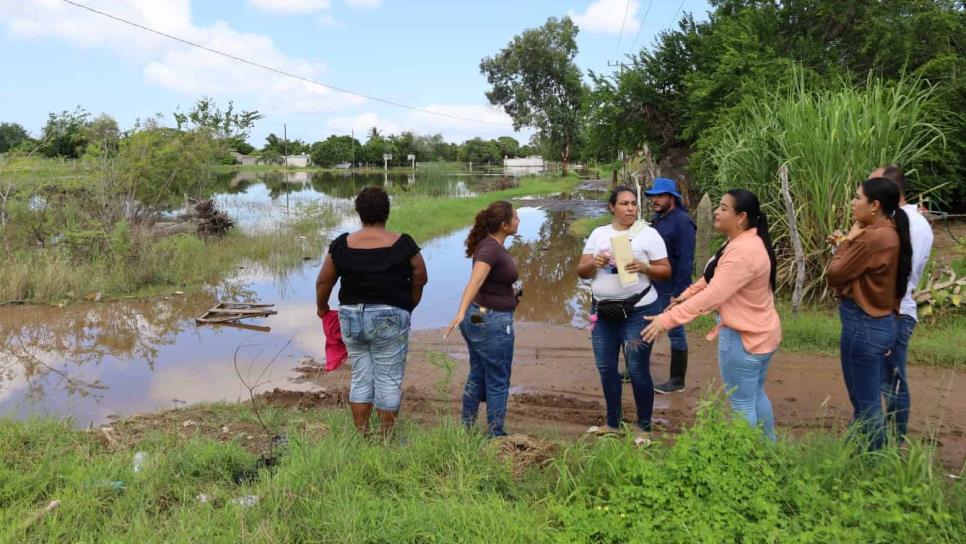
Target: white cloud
{"x":362,"y":123}
{"x":458,"y":130}
{"x":364,"y":3}
{"x":607,"y":16}
{"x":290,"y":7}
{"x":180,"y":68}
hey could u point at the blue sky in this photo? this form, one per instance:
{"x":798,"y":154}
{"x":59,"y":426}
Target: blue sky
{"x":421,"y":53}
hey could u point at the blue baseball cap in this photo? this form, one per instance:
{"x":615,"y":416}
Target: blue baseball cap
{"x":663,"y":186}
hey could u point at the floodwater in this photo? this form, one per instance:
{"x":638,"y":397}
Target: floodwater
{"x":94,"y":362}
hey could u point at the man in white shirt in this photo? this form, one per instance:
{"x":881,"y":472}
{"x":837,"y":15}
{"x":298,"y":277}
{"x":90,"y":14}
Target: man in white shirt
{"x":895,"y":386}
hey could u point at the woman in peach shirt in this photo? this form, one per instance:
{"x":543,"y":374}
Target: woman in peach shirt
{"x":739,"y":283}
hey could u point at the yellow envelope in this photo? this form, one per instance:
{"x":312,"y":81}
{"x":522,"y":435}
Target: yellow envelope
{"x":622,"y":257}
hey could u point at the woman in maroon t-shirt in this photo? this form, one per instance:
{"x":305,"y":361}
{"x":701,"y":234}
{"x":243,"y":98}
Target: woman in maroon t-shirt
{"x":485,"y":315}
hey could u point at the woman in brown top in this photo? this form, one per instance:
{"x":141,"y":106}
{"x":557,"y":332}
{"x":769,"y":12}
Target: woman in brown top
{"x":869,"y":272}
{"x":485,"y":315}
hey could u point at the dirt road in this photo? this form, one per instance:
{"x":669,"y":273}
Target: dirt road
{"x":556,"y":390}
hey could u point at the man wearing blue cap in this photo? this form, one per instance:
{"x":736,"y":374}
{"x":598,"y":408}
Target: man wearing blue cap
{"x":677,"y":229}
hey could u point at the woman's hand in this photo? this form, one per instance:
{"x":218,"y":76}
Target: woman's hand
{"x":652,"y":330}
{"x":452,"y":325}
{"x":674,"y":302}
{"x":601,"y":260}
{"x":320,"y":310}
{"x":637,"y":267}
{"x":835,"y":238}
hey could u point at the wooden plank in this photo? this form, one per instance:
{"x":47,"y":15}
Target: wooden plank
{"x":242,"y":305}
{"x":242,"y":311}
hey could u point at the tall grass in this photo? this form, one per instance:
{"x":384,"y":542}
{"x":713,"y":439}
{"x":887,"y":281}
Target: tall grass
{"x":718,"y":482}
{"x":830,"y":140}
{"x":140,"y":264}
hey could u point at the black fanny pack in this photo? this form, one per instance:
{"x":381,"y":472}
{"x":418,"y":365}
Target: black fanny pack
{"x":619,"y":309}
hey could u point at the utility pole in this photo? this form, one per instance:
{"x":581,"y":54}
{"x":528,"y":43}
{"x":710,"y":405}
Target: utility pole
{"x":285,"y":167}
{"x":619,"y":65}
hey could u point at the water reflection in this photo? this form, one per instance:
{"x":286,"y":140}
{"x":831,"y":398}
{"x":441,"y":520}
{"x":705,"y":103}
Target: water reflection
{"x":94,"y":360}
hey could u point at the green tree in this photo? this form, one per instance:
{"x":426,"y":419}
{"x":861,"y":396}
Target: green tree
{"x":11,"y":134}
{"x":480,"y":151}
{"x":103,"y":136}
{"x":334,"y":150}
{"x":536,"y":81}
{"x":228,"y":125}
{"x":377,"y":145}
{"x":64,"y":135}
{"x":509,"y":147}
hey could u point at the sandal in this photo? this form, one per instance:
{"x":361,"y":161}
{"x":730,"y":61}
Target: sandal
{"x":602,"y":431}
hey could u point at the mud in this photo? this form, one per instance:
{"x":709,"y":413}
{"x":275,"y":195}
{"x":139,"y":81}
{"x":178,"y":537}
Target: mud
{"x":558,"y":390}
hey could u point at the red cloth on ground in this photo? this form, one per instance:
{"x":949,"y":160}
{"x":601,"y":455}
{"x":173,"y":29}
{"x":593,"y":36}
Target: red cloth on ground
{"x":335,"y":350}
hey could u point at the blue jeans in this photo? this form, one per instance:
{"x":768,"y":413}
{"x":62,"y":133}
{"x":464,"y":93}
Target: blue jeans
{"x":895,"y":386}
{"x":744,"y":377}
{"x":677,"y":335}
{"x":377,"y":339}
{"x":864,"y":343}
{"x":610,"y":338}
{"x":490,"y":344}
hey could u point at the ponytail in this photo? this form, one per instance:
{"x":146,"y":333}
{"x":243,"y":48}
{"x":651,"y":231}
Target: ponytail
{"x":747,"y":202}
{"x":905,"y":253}
{"x":488,"y":221}
{"x":887,"y":192}
{"x":762,"y":226}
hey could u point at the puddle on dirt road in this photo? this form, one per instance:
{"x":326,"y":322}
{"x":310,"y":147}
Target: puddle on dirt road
{"x":96,"y":361}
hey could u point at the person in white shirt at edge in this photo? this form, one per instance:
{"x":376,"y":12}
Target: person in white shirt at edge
{"x":895,"y":385}
{"x":619,"y":310}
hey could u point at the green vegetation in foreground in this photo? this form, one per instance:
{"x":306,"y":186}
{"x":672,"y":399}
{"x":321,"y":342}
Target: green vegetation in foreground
{"x":718,"y":482}
{"x":128,"y":263}
{"x":424,"y":217}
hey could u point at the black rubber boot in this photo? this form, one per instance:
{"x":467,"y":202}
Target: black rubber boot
{"x":679,"y":368}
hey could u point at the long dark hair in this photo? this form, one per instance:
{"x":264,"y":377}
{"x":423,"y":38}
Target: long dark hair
{"x":747,"y":202}
{"x":488,"y":221}
{"x":887,"y":192}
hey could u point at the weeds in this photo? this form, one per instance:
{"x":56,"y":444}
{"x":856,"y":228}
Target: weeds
{"x":718,"y":482}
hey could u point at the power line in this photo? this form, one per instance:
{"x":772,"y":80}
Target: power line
{"x":627,"y":7}
{"x":675,"y":16}
{"x":277,"y":70}
{"x":640,"y":28}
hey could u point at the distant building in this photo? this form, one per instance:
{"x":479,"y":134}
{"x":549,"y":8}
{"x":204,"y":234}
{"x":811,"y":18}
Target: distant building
{"x":297,"y":161}
{"x":533,"y":164}
{"x":245,"y":160}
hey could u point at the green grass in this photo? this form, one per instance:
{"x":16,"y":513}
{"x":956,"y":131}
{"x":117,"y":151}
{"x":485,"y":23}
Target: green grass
{"x":582,"y":227}
{"x":141,"y":265}
{"x":718,"y":482}
{"x":816,"y":330}
{"x":424,"y":217}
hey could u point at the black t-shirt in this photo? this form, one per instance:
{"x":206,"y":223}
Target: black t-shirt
{"x":497,"y":289}
{"x":382,"y":275}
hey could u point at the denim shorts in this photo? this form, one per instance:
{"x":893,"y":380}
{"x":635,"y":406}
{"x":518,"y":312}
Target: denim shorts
{"x":377,"y":339}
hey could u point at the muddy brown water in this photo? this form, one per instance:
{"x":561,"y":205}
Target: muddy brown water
{"x":98,"y":361}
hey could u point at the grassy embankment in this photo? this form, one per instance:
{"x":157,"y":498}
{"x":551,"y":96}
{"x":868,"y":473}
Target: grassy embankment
{"x":718,"y":482}
{"x":816,"y":329}
{"x":120,"y":260}
{"x":426,"y":217}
